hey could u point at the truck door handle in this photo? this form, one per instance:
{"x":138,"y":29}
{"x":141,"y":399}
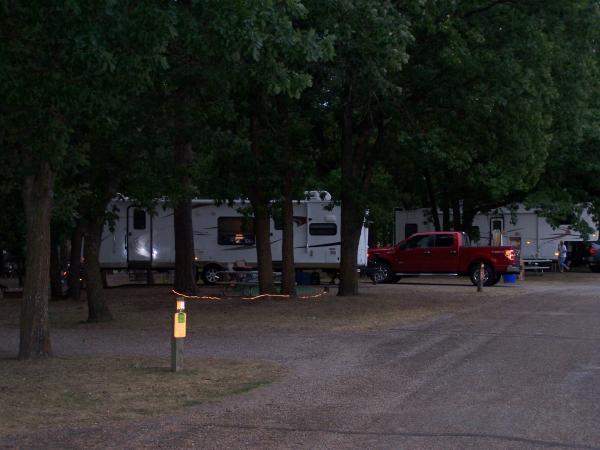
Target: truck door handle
{"x":427,"y":252}
{"x":453,"y":252}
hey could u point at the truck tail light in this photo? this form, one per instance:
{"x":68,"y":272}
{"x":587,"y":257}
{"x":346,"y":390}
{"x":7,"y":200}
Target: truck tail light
{"x":592,"y":251}
{"x":510,"y":254}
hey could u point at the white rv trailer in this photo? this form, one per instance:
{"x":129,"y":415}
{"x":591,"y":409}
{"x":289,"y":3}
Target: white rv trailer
{"x":522,"y":228}
{"x":223,"y":236}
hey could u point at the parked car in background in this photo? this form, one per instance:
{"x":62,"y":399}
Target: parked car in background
{"x":445,"y":252}
{"x":593,"y":256}
{"x":577,"y":252}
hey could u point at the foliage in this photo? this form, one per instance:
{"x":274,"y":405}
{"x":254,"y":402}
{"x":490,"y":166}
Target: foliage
{"x":267,"y":53}
{"x":570,"y":180}
{"x":69,"y":74}
{"x":468,"y":105}
{"x":476,"y":101}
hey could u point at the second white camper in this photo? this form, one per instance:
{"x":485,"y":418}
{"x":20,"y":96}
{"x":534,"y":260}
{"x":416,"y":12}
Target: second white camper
{"x":223,"y":236}
{"x":522,"y":228}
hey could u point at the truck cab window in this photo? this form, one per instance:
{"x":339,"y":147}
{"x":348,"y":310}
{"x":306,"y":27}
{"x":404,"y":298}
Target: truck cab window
{"x":424,"y":241}
{"x":444,"y":240}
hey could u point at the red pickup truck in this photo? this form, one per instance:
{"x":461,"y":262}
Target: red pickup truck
{"x":442,"y":252}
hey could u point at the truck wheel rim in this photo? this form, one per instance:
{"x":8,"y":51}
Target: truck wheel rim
{"x":486,"y":275}
{"x":380,"y":275}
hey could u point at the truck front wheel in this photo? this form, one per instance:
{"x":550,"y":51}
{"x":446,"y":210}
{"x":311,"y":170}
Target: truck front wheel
{"x":382,"y":273}
{"x":489,"y":275}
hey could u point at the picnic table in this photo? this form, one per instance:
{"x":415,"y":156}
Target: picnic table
{"x":537,"y":266}
{"x":244,"y":281}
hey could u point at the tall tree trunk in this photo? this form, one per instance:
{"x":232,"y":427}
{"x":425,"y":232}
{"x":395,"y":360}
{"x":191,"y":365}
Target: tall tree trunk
{"x":262,"y":230}
{"x":446,"y":214}
{"x":21,"y":270}
{"x":432,"y":201}
{"x":63,"y":251}
{"x":456,"y":215}
{"x":97,"y":307}
{"x":357,"y":171}
{"x":288,"y":285}
{"x":288,"y":281}
{"x":185,"y":273}
{"x":183,"y":152}
{"x":348,"y":279}
{"x":468,"y":215}
{"x":55,"y":268}
{"x":75,"y":265}
{"x":34,"y":327}
{"x":350,"y":234}
{"x":1,"y":262}
{"x":260,"y":205}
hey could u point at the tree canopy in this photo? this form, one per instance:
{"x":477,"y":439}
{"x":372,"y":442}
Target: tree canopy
{"x":459,"y":106}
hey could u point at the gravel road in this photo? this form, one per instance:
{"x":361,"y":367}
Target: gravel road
{"x":518,"y":370}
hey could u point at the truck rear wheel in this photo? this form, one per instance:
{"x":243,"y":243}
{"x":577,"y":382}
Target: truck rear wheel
{"x":489,"y":275}
{"x":496,"y":279}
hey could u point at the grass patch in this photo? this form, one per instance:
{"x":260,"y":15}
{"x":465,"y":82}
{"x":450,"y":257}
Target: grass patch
{"x":88,"y":391}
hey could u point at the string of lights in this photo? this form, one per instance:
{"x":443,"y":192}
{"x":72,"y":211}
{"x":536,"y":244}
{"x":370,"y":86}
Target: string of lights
{"x":256,"y":297}
{"x":195,"y":297}
{"x":301,"y":297}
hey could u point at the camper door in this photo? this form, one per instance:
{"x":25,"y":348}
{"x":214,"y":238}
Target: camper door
{"x":323,"y":233}
{"x":139,"y":238}
{"x":316,"y":236}
{"x":496,"y":230}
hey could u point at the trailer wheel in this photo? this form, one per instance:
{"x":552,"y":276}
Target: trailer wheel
{"x":210,"y":274}
{"x":489,"y":274}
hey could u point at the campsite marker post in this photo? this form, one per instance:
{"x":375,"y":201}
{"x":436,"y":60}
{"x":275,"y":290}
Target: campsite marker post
{"x":179,"y":328}
{"x":480,"y":280}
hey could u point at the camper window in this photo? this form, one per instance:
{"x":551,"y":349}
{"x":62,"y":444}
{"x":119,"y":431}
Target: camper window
{"x":139,"y":219}
{"x":323,"y":229}
{"x":235,"y":231}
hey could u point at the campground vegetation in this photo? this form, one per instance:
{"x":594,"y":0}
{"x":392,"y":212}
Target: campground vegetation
{"x":61,"y":387}
{"x":463,"y":106}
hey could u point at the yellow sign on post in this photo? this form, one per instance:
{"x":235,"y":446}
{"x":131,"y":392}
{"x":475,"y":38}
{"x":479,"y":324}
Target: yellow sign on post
{"x":179,"y":320}
{"x":179,"y":325}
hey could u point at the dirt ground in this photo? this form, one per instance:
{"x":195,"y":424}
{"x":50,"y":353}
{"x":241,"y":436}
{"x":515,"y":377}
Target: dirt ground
{"x":309,"y":344}
{"x":150,"y":308}
{"x":412,"y":299}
